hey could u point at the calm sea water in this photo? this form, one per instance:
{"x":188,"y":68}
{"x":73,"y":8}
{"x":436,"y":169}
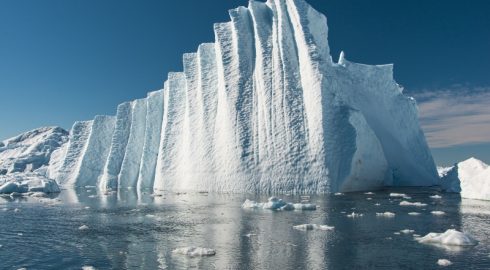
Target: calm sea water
{"x":134,"y":231}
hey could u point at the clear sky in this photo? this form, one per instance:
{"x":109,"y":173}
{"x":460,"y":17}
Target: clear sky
{"x":62,"y":61}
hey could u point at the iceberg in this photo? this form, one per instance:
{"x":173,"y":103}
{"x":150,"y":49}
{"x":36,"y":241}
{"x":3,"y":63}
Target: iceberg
{"x":30,"y":150}
{"x":262,"y":109}
{"x":470,"y":177}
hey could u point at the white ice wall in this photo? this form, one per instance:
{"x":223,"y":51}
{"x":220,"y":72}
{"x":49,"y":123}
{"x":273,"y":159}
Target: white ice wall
{"x":262,"y":109}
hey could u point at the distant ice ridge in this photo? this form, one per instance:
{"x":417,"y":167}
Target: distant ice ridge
{"x":262,"y":109}
{"x":30,"y":150}
{"x":470,"y":177}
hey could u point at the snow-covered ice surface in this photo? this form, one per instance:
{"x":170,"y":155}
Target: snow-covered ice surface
{"x":129,"y":229}
{"x":261,"y":109}
{"x":470,"y":177}
{"x":30,"y":150}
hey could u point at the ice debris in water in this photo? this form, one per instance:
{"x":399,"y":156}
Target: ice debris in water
{"x":354,"y":215}
{"x":436,"y":197}
{"x":438,"y":213}
{"x":83,"y":228}
{"x":194,"y":251}
{"x":417,"y":204}
{"x":386,"y":214}
{"x":414,"y":213}
{"x":397,"y":195}
{"x":338,"y":194}
{"x":369,"y":193}
{"x":308,"y":227}
{"x":407,"y":231}
{"x":277,"y":204}
{"x":450,"y":237}
{"x":88,"y":267}
{"x":444,"y":262}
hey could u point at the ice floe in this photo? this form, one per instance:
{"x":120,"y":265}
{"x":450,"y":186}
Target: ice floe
{"x":450,"y":237}
{"x":417,"y":204}
{"x":386,"y":214}
{"x":444,"y":262}
{"x":194,"y":251}
{"x":308,"y":227}
{"x":277,"y":204}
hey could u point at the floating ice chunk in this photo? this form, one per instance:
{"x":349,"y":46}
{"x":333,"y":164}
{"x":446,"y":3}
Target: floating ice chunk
{"x":16,"y":210}
{"x":88,"y":267}
{"x":338,"y":194}
{"x":377,"y":204}
{"x":407,"y":231}
{"x":386,"y":214}
{"x":369,"y":193}
{"x":436,"y":197}
{"x":354,"y":215}
{"x":83,"y":228}
{"x":400,"y":195}
{"x":414,"y":213}
{"x":369,"y":199}
{"x":444,"y":262}
{"x":278,"y":204}
{"x":308,"y":227}
{"x":417,"y":204}
{"x":195,"y":251}
{"x":397,"y":233}
{"x":438,"y":213}
{"x":250,"y":235}
{"x":450,"y":237}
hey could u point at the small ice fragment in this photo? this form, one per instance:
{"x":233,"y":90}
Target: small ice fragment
{"x":438,"y":213}
{"x":88,"y":267}
{"x":444,"y":262}
{"x":407,"y":231}
{"x":16,"y":210}
{"x":150,"y":215}
{"x":417,"y":204}
{"x":386,"y":214}
{"x":83,"y":228}
{"x":338,"y":194}
{"x":450,"y":237}
{"x":414,"y":213}
{"x":436,"y":197}
{"x":369,"y":193}
{"x":87,"y":207}
{"x":407,"y":197}
{"x":308,"y":227}
{"x":397,"y":195}
{"x":377,"y":204}
{"x":397,"y":233}
{"x":369,"y":199}
{"x":250,"y":235}
{"x":354,"y":215}
{"x":92,"y":196}
{"x":194,"y":251}
{"x":20,"y":234}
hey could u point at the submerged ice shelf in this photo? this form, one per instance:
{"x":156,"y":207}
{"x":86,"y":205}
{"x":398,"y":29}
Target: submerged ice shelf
{"x":262,"y":109}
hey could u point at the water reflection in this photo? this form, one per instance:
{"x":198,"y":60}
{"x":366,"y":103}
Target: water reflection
{"x":130,"y":230}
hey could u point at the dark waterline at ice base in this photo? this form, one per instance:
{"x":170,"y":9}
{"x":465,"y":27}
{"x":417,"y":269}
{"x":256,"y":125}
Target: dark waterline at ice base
{"x":138,"y":231}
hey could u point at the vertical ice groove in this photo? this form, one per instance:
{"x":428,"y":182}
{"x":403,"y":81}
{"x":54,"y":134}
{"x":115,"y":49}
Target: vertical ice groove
{"x":228,"y":153}
{"x":154,"y":117}
{"x":97,"y":149}
{"x":79,"y":136}
{"x":159,"y":181}
{"x":128,"y":175}
{"x":261,"y":16}
{"x":119,"y":142}
{"x":172,"y":165}
{"x":191,"y":146}
{"x":207,"y":91}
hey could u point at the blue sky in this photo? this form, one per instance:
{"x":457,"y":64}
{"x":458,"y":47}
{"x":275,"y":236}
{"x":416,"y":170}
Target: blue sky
{"x":62,"y":61}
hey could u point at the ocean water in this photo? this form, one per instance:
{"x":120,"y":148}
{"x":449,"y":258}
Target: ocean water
{"x":129,"y":230}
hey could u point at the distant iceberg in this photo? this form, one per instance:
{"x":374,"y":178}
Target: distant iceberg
{"x":470,"y":177}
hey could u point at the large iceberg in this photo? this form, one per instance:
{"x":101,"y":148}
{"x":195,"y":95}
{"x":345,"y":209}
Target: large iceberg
{"x":470,"y":177}
{"x":262,"y":109}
